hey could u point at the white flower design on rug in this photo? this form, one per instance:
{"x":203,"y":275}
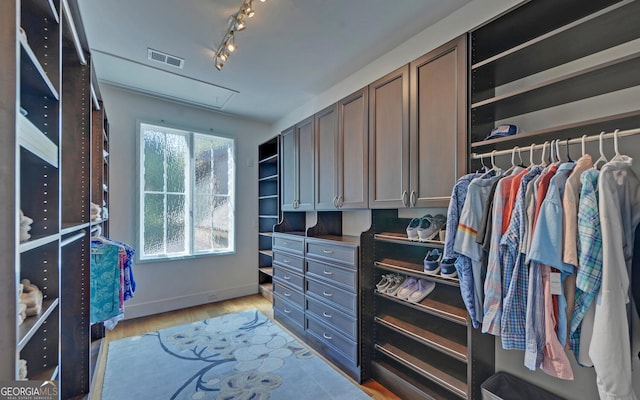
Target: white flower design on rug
{"x":240,"y":356}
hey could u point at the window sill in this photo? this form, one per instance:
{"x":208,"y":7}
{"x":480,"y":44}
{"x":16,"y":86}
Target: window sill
{"x":181,"y":258}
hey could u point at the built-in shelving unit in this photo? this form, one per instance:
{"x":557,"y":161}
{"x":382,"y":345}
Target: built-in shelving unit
{"x":268,"y":210}
{"x":425,"y":349}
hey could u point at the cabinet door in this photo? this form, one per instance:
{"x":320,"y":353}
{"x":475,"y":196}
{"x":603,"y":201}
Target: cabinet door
{"x":353,"y":180}
{"x":306,"y":149}
{"x":389,"y":140}
{"x":326,"y":158}
{"x":289,"y":169}
{"x":438,"y":123}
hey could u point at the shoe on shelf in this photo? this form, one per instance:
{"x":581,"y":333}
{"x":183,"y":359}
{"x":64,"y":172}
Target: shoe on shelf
{"x":432,"y":262}
{"x":423,"y":226}
{"x":394,"y":284}
{"x":407,"y":288}
{"x":384,"y":282}
{"x":422,"y":289}
{"x":412,"y":229}
{"x":436,"y":223}
{"x":448,"y":268}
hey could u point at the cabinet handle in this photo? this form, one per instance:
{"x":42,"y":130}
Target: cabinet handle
{"x":325,"y":293}
{"x":286,"y":261}
{"x":327,"y":336}
{"x":413,"y":198}
{"x":340,"y":201}
{"x":286,"y":294}
{"x":287,"y":278}
{"x":404,"y":198}
{"x":327,"y":272}
{"x":287,"y":311}
{"x":285,"y":243}
{"x":335,"y":201}
{"x":326,"y":314}
{"x":327,"y":251}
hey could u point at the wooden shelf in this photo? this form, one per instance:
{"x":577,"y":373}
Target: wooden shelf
{"x":400,"y":238}
{"x":268,"y":216}
{"x":265,"y":234}
{"x":422,"y":367}
{"x":30,"y":325}
{"x":266,"y":290}
{"x":269,"y":178}
{"x":403,"y":384}
{"x":431,"y":339}
{"x":48,"y":374}
{"x":603,"y":78}
{"x":32,"y":139}
{"x":36,"y":242}
{"x":271,"y":158}
{"x":44,"y":8}
{"x":266,"y":252}
{"x":266,"y":270}
{"x":70,"y":227}
{"x":271,"y":196}
{"x":32,"y":73}
{"x":412,"y":269}
{"x":438,"y":303}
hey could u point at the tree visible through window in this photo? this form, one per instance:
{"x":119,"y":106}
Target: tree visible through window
{"x":186,"y":193}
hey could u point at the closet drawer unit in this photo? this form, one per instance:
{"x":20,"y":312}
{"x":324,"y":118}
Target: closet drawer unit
{"x":289,"y":243}
{"x":332,"y":252}
{"x":347,"y":324}
{"x":339,"y":298}
{"x":333,"y":338}
{"x":288,"y":309}
{"x":289,"y":261}
{"x":346,"y":277}
{"x":294,"y":280}
{"x":284,"y":291}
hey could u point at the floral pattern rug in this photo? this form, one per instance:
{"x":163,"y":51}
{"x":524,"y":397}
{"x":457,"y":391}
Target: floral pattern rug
{"x":239,"y":356}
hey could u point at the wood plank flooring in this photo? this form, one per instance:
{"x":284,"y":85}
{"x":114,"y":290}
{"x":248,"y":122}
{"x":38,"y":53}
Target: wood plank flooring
{"x":142,"y":325}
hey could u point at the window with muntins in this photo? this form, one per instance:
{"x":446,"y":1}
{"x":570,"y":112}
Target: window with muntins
{"x":187,"y":187}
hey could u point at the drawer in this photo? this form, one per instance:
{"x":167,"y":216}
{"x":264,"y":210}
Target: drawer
{"x":289,"y":243}
{"x":289,"y":310}
{"x":340,"y":298}
{"x":292,"y":325}
{"x":333,"y":252}
{"x":330,"y":336}
{"x":343,"y":276}
{"x":289,"y":261}
{"x":294,"y":280}
{"x":347,"y":324}
{"x":294,"y":296}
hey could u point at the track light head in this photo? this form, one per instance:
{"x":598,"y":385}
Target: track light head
{"x":237,"y":23}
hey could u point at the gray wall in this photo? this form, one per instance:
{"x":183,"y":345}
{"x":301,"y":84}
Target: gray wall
{"x":169,"y":285}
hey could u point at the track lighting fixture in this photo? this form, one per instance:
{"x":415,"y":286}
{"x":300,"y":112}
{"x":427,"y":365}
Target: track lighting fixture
{"x":237,"y":23}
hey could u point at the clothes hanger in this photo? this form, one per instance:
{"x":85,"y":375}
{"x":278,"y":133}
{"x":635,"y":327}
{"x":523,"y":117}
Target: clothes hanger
{"x":521,"y":165}
{"x":543,"y":161}
{"x":584,"y":137}
{"x":531,"y":163}
{"x":513,"y":161}
{"x":484,"y":167}
{"x":568,"y":154}
{"x":558,"y":151}
{"x":552,"y":158}
{"x":615,"y":145}
{"x":602,"y":157}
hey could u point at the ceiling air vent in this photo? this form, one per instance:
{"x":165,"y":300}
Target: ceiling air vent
{"x":165,"y":58}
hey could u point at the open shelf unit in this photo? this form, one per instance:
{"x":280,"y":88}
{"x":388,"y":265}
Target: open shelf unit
{"x":425,"y":349}
{"x":268,"y":210}
{"x":557,"y":59}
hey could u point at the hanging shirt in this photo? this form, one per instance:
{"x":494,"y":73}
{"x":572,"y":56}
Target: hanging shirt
{"x":465,"y":242}
{"x":105,"y":282}
{"x":462,"y":263}
{"x":611,"y":347}
{"x":514,"y":310}
{"x":589,"y":272}
{"x":511,"y":200}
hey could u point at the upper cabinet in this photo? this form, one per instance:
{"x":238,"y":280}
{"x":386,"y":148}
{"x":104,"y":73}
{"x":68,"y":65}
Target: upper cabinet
{"x":342,"y":154}
{"x":438,"y":125}
{"x":298,"y":154}
{"x":389,"y":140}
{"x":417,"y":131}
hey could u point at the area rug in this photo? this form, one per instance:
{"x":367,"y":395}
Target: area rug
{"x":239,"y":356}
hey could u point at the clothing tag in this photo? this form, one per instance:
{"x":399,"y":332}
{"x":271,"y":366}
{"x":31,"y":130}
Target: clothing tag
{"x":556,"y":286}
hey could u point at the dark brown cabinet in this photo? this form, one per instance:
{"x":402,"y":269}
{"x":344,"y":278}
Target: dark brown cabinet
{"x":327,"y":168}
{"x":298,"y":155}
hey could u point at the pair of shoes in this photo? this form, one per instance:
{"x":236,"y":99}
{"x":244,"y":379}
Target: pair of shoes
{"x":432,"y":229}
{"x":389,"y":284}
{"x":415,"y":290}
{"x":448,"y":268}
{"x":417,"y":225}
{"x":434,"y":264}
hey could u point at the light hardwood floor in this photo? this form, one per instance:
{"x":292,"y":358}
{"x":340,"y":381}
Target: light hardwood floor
{"x":142,"y":325}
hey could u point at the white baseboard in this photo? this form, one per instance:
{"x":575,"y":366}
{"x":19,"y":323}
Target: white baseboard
{"x":196,"y":299}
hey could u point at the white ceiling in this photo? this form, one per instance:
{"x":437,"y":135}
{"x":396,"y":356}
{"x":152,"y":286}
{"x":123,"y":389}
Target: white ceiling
{"x":291,"y":51}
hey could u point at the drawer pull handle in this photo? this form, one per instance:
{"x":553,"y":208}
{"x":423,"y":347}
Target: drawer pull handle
{"x":287,"y":277}
{"x":287,"y":311}
{"x":286,"y":261}
{"x":287,"y":294}
{"x":325,"y":251}
{"x":327,"y":272}
{"x":327,"y":336}
{"x":325,"y":293}
{"x":326,"y":314}
{"x":285,"y":243}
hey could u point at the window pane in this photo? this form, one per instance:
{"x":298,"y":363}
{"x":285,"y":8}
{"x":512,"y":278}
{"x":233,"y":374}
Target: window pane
{"x":153,"y":224}
{"x":177,"y":153}
{"x":176,"y":224}
{"x":221,"y":169}
{"x":203,"y":222}
{"x":222,"y":222}
{"x":153,"y":161}
{"x":203,"y":169}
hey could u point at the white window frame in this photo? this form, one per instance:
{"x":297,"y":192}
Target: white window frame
{"x":189,"y":192}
